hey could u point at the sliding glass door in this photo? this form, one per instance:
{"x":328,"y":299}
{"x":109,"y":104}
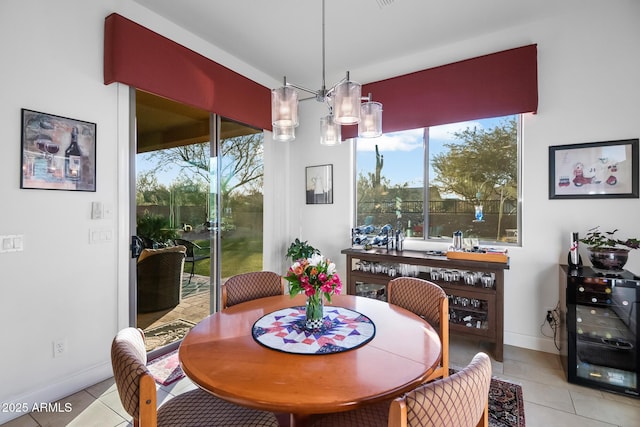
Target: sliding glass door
{"x":198,"y":185}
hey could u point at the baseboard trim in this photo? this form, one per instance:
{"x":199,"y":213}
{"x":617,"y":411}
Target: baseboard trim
{"x":532,"y":343}
{"x":55,"y":391}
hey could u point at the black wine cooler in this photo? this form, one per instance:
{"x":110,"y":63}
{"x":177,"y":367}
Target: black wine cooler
{"x":599,"y":329}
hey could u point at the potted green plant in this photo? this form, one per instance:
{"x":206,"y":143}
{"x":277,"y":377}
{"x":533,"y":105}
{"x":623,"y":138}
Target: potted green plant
{"x":606,"y":251}
{"x":300,"y":250}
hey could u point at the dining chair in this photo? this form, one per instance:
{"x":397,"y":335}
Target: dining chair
{"x":194,"y":253}
{"x":460,"y":400}
{"x":250,"y":286}
{"x":429,"y":301}
{"x":137,"y":390}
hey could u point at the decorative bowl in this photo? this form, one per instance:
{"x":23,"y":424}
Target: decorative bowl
{"x":608,"y":258}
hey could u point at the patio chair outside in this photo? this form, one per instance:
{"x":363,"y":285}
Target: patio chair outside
{"x":195,"y":253}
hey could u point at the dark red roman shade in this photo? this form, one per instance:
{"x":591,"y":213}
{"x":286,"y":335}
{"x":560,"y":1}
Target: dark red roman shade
{"x":492,"y":85}
{"x":139,"y":57}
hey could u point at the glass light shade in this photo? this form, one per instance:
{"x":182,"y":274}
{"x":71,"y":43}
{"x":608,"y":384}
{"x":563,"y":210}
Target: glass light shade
{"x":284,"y":134}
{"x":370,"y":125}
{"x":346,"y":106}
{"x":284,"y":107}
{"x":330,"y":131}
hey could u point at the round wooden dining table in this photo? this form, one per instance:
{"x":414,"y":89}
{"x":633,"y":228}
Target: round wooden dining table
{"x":221,"y":356}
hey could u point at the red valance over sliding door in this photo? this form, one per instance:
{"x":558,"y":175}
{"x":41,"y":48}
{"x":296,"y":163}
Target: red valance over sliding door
{"x":139,"y":57}
{"x":492,"y":85}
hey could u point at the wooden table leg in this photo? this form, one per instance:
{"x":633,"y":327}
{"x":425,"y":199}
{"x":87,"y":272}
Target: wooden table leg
{"x":299,"y":420}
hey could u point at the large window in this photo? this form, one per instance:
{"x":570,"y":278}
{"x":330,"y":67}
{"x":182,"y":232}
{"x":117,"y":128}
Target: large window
{"x":434,"y":181}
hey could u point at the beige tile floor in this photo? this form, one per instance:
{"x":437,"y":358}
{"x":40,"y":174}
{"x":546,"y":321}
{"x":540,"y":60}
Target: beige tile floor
{"x":548,"y":399}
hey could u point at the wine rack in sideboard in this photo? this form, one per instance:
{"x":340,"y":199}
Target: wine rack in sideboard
{"x":475,"y":288}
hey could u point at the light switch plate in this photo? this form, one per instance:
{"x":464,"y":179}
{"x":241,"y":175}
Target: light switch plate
{"x":97,"y":210}
{"x":7,"y":243}
{"x":12,"y":243}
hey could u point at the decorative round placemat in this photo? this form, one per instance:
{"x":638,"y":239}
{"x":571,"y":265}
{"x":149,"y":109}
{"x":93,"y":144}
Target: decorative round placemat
{"x":342,"y":330}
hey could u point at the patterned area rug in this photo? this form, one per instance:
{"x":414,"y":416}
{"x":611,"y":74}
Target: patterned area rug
{"x":506,"y":406}
{"x":166,"y":368}
{"x":167,"y":333}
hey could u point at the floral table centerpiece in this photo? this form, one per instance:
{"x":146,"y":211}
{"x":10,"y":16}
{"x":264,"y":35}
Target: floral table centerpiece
{"x":316,"y":277}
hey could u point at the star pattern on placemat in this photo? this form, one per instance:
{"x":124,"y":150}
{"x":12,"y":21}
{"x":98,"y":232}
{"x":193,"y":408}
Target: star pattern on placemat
{"x":342,"y":330}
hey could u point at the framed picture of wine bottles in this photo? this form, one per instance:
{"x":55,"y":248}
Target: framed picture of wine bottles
{"x":58,"y":153}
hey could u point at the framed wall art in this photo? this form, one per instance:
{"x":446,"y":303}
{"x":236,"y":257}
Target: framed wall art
{"x":319,"y":184}
{"x":58,"y":153}
{"x":595,"y":170}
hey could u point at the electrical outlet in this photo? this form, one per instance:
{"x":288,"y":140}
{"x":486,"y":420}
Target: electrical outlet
{"x":59,"y":348}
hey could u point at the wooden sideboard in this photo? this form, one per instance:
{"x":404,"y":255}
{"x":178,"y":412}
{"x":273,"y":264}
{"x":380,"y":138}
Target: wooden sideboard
{"x":475,"y":288}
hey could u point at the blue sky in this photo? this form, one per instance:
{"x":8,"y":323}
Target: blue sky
{"x":403,"y":154}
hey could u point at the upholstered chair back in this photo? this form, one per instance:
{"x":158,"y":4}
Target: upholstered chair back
{"x":459,"y":400}
{"x":250,"y":286}
{"x":429,"y":301}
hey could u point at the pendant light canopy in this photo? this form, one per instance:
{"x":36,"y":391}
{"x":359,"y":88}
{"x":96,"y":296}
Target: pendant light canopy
{"x":344,"y":101}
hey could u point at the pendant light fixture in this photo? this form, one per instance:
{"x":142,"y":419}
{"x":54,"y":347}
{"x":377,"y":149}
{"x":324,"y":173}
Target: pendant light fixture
{"x":370,"y":125}
{"x":344,"y":101}
{"x":330,"y":131}
{"x":284,"y":133}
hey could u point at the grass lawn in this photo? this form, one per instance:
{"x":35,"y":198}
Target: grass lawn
{"x":240,"y":254}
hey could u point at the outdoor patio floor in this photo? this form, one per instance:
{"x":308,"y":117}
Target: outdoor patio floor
{"x":193,"y":307}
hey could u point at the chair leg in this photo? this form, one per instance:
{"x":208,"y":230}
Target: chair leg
{"x":193,"y":266}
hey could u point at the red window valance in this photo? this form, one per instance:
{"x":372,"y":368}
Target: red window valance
{"x":139,"y":57}
{"x":492,"y":85}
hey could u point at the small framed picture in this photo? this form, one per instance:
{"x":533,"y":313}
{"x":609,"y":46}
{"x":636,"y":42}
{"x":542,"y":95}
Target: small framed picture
{"x":319,"y":184}
{"x":58,"y":153}
{"x":594,"y":170}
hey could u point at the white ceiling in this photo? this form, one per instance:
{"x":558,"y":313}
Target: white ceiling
{"x":284,"y":37}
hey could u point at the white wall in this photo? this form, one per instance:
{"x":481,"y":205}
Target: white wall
{"x":60,"y":286}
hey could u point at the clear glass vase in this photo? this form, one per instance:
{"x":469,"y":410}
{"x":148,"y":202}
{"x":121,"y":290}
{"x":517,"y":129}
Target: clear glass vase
{"x":314,"y":311}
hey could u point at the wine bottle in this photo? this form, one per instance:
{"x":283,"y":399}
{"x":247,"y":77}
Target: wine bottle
{"x":386,"y":229}
{"x":364,"y":229}
{"x":73,"y":158}
{"x":399,"y":240}
{"x":380,"y":241}
{"x":574,"y":259}
{"x":361,"y":240}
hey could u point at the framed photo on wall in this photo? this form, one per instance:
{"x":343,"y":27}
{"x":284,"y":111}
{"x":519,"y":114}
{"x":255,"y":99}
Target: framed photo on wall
{"x":595,"y":170}
{"x":319,"y":184}
{"x":58,"y":153}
